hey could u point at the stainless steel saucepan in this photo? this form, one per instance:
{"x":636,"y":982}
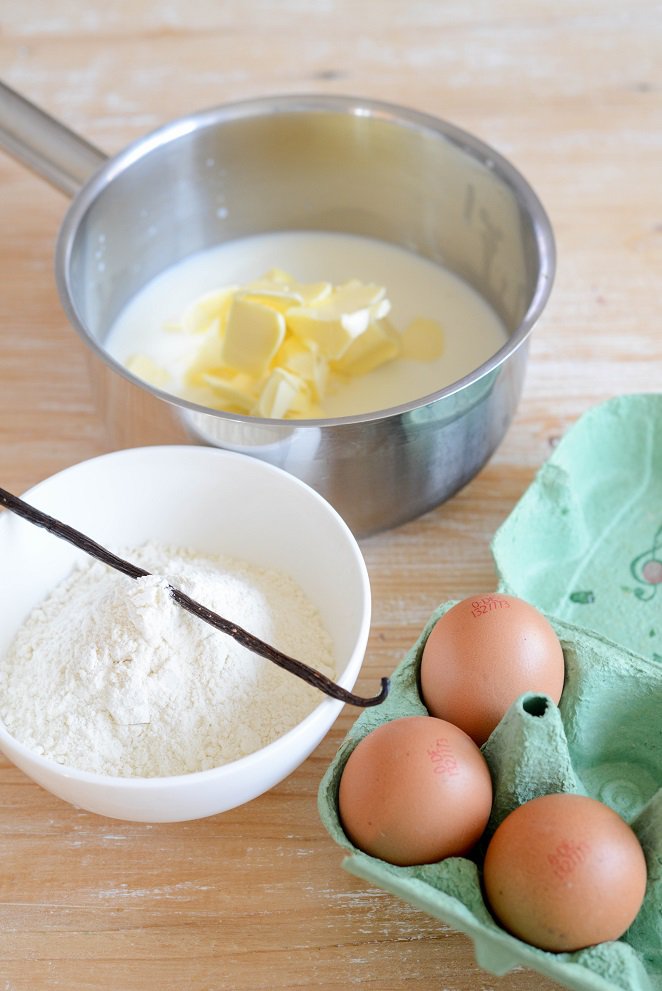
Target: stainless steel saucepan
{"x":291,"y":163}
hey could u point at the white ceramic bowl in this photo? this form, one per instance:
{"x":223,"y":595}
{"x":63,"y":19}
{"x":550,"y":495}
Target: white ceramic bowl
{"x":215,"y":502}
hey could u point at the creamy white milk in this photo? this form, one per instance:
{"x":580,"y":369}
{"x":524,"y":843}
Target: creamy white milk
{"x":415,"y":287}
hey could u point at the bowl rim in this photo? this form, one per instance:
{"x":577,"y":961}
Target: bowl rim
{"x":321,"y":716}
{"x":352,"y":106}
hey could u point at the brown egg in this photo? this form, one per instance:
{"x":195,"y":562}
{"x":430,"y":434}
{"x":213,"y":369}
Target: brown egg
{"x":482,"y":655}
{"x":415,"y":790}
{"x":564,"y":872}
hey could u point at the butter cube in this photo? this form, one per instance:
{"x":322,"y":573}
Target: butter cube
{"x":314,"y":292}
{"x":253,"y":334}
{"x":282,"y":393}
{"x":379,"y":343}
{"x":236,"y":393}
{"x":207,"y":358}
{"x":423,"y":340}
{"x":280,"y":290}
{"x":208,"y":311}
{"x":144,"y":368}
{"x":305,"y":361}
{"x":280,"y":300}
{"x":337,"y":320}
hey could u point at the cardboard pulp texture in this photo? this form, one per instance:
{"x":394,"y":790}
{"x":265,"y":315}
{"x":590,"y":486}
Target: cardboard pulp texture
{"x":584,"y":543}
{"x":592,"y":523}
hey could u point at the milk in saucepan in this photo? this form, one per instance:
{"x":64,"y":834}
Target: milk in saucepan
{"x":416,"y":287}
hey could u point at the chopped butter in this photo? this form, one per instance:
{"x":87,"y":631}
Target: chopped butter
{"x":144,"y":368}
{"x":253,"y":334}
{"x":208,"y":357}
{"x":336,"y":321}
{"x":305,"y":361}
{"x":379,"y":343}
{"x":236,"y":393}
{"x":282,"y":393}
{"x":422,"y":340}
{"x":276,"y":347}
{"x":208,"y":312}
{"x":280,"y":290}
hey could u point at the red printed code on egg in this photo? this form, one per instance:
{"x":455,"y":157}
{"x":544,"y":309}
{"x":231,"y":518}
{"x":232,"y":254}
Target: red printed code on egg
{"x":487,"y":604}
{"x":567,"y":857}
{"x":443,"y":759}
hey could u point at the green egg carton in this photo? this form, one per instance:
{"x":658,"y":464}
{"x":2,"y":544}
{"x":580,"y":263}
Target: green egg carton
{"x":584,"y":543}
{"x":584,"y":546}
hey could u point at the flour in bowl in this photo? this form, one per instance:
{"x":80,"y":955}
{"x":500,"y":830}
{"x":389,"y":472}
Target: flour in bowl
{"x":110,"y":675}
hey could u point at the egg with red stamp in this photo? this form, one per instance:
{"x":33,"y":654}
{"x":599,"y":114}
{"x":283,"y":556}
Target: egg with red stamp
{"x":563,"y":872}
{"x":414,"y":791}
{"x":482,"y":655}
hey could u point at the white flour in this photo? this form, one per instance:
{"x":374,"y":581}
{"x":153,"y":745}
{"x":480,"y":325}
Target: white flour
{"x":110,"y":675}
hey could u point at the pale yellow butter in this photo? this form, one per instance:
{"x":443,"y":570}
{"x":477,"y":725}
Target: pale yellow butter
{"x":234,"y":392}
{"x":276,"y":347}
{"x":282,"y":291}
{"x":142,"y":366}
{"x":423,"y":340}
{"x":208,"y":357}
{"x":282,"y":393}
{"x":379,"y":343}
{"x":337,"y":320}
{"x":305,"y":360}
{"x":208,"y":312}
{"x":253,"y":334}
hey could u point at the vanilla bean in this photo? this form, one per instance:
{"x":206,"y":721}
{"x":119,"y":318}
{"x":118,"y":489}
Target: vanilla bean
{"x":243,"y":637}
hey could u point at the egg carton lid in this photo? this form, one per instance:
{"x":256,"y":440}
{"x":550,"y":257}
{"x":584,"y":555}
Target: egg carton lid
{"x":584,"y":543}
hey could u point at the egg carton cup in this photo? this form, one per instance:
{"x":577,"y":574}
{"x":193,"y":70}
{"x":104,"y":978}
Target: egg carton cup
{"x":604,"y":739}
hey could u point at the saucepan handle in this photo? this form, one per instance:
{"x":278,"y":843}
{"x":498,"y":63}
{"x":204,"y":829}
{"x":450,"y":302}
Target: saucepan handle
{"x":45,"y":145}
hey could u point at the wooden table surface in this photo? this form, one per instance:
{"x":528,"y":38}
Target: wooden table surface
{"x":570,"y":92}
